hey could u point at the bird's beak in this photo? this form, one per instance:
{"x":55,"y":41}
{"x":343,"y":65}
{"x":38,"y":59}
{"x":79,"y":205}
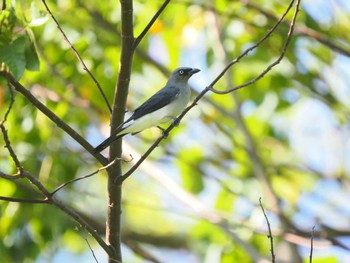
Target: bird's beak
{"x":194,"y":71}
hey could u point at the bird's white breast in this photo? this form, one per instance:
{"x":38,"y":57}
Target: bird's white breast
{"x":161,"y":116}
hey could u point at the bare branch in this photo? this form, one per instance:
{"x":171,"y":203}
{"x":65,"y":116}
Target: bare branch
{"x":10,"y":149}
{"x":92,"y":251}
{"x":11,"y":176}
{"x":23,"y":200}
{"x":68,"y":210}
{"x":12,"y":101}
{"x":5,"y":134}
{"x":120,"y":179}
{"x":114,"y":195}
{"x":82,"y":177}
{"x":277,"y":61}
{"x":270,"y":232}
{"x":256,"y":163}
{"x":53,"y":117}
{"x":100,"y":19}
{"x":312,"y":243}
{"x":302,"y":30}
{"x":49,"y":198}
{"x":78,"y":56}
{"x":149,"y":25}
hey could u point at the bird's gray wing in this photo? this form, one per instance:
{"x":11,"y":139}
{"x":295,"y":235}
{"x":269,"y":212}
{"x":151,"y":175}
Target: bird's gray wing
{"x":159,"y":100}
{"x":162,"y":98}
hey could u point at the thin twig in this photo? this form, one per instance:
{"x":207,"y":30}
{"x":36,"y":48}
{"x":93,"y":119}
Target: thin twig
{"x":93,"y":253}
{"x":12,"y":101}
{"x":52,"y":200}
{"x":53,"y":117}
{"x":250,"y":148}
{"x":11,"y":176}
{"x":105,"y":24}
{"x":120,"y":179}
{"x":10,"y":149}
{"x":273,"y":258}
{"x":302,"y":30}
{"x":275,"y":62}
{"x":312,"y":243}
{"x":24,"y":200}
{"x":49,"y":198}
{"x":5,"y":134}
{"x":82,"y":177}
{"x":78,"y":56}
{"x":149,"y":25}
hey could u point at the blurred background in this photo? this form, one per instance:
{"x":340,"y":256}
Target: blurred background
{"x":284,"y":139}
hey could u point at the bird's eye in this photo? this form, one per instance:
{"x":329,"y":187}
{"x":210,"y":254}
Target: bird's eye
{"x":181,"y":72}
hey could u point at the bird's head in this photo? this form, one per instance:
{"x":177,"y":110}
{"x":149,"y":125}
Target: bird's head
{"x":183,"y":73}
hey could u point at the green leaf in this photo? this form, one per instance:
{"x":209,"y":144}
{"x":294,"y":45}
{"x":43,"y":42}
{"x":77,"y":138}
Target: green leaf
{"x":31,"y":56}
{"x":13,"y":56}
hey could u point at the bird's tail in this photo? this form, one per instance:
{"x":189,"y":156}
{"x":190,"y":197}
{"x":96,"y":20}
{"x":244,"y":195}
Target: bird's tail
{"x":108,"y":142}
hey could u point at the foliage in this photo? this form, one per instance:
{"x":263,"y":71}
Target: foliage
{"x":284,"y":138}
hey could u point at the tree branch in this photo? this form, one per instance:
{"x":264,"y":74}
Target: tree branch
{"x":114,"y":196}
{"x":53,"y":117}
{"x":149,"y":25}
{"x":99,"y":18}
{"x":273,"y":257}
{"x":250,"y":147}
{"x":10,"y":149}
{"x":312,"y":243}
{"x":269,"y":67}
{"x":69,"y":211}
{"x":51,"y":200}
{"x":92,"y":251}
{"x":78,"y":56}
{"x":210,"y":87}
{"x":302,"y":30}
{"x":11,"y":176}
{"x":22,"y":173}
{"x":23,"y":200}
{"x":81,"y":177}
{"x":6,"y":138}
{"x":12,"y":101}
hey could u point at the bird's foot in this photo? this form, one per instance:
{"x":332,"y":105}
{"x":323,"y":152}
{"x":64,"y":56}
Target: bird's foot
{"x":160,"y":128}
{"x":165,"y":134}
{"x":134,"y":133}
{"x":176,"y":122}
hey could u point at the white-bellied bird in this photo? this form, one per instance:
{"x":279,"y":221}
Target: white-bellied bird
{"x":162,"y":107}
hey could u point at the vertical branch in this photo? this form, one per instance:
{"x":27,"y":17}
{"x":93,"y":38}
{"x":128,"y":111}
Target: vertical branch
{"x":113,"y":229}
{"x":78,"y":56}
{"x":250,"y":148}
{"x":312,"y":243}
{"x":273,"y":257}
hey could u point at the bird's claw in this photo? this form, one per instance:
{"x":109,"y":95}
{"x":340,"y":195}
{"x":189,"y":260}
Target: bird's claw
{"x":165,"y":134}
{"x":176,"y":122}
{"x":160,"y":128}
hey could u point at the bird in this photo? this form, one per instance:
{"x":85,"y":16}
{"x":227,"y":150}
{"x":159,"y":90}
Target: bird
{"x":164,"y":106}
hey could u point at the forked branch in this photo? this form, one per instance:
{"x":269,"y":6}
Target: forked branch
{"x":78,"y":56}
{"x":210,"y":87}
